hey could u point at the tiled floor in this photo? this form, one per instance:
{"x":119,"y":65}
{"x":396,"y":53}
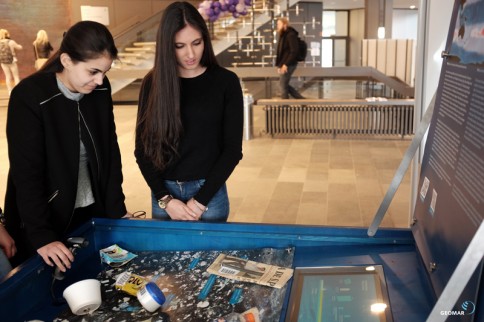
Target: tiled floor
{"x":338,"y":182}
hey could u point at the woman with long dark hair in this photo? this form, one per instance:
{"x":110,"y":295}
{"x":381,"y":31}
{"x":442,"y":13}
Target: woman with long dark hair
{"x":65,"y":164}
{"x":190,"y":120}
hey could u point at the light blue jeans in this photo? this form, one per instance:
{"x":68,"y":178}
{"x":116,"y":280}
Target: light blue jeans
{"x":218,"y":207}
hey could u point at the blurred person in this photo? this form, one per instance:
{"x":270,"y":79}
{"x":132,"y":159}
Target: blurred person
{"x":286,"y":60}
{"x":42,"y":48}
{"x":8,"y":59}
{"x":65,"y":163}
{"x":190,"y":121}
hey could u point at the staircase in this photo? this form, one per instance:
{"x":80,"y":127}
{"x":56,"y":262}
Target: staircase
{"x":236,"y":37}
{"x":136,"y":57}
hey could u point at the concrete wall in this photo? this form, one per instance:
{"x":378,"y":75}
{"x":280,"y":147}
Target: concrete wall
{"x":356,"y":34}
{"x":23,"y":18}
{"x":122,"y":13}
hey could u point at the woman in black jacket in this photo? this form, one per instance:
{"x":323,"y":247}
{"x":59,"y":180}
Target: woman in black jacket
{"x":65,"y":164}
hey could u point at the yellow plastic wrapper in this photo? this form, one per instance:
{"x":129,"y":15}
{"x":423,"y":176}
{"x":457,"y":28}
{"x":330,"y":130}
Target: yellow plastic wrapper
{"x":129,"y":283}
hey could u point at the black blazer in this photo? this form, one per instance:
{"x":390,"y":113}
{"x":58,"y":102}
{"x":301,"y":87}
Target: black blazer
{"x":43,"y":131}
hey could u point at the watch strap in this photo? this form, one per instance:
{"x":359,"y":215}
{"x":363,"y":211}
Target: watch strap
{"x":163,"y":202}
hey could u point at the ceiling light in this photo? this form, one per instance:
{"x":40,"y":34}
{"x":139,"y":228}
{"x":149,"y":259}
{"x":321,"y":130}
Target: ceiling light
{"x":381,"y":32}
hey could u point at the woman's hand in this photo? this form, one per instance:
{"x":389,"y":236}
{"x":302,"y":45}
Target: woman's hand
{"x":7,"y":243}
{"x":128,"y":215}
{"x":196,"y":207}
{"x":178,"y":210}
{"x":56,"y":253}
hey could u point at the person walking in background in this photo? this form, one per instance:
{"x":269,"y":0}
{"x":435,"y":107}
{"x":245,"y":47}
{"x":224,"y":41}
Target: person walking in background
{"x":8,"y":59}
{"x":65,"y":163}
{"x":286,"y":60}
{"x":190,"y":122}
{"x":42,"y":48}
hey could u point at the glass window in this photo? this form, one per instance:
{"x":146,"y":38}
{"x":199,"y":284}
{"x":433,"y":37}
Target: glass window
{"x":329,"y":23}
{"x":335,"y":23}
{"x":340,"y":52}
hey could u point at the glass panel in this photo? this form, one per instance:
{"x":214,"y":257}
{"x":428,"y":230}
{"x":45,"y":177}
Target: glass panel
{"x":327,"y":53}
{"x":346,"y":293}
{"x":329,"y":23}
{"x":341,"y":23}
{"x":335,"y":23}
{"x":340,"y":52}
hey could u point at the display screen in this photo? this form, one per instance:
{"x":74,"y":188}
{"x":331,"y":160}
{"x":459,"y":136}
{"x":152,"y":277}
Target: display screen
{"x":339,"y":294}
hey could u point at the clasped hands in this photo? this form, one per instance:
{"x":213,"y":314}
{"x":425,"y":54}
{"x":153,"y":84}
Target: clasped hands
{"x":190,"y":211}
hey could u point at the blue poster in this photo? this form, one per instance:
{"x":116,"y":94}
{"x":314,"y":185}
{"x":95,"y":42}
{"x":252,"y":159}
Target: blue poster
{"x":450,"y":203}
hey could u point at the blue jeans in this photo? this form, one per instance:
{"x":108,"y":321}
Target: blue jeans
{"x":5,"y":267}
{"x":218,"y":206}
{"x":287,"y":89}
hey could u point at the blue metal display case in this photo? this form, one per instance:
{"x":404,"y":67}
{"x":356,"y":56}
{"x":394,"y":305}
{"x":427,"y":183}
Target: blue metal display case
{"x":28,"y":292}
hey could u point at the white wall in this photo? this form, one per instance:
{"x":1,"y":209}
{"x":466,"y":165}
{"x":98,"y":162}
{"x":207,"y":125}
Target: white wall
{"x":404,"y":24}
{"x":439,"y":16}
{"x":433,"y":27}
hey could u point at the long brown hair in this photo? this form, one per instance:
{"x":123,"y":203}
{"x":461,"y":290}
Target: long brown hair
{"x":159,"y":126}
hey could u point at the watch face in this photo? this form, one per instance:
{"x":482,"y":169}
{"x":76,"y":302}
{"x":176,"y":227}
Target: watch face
{"x":162,"y":204}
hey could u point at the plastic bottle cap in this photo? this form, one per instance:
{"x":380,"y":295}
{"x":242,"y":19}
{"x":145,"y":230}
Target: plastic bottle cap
{"x":151,"y":297}
{"x":156,"y":293}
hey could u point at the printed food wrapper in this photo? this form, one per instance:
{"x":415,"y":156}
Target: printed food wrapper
{"x":249,"y":271}
{"x":115,"y":256}
{"x":129,"y":283}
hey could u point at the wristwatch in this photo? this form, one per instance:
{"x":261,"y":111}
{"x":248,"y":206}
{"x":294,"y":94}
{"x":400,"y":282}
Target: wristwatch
{"x":163,"y":202}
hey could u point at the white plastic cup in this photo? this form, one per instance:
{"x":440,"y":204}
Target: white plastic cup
{"x":83,"y":297}
{"x":151,"y":297}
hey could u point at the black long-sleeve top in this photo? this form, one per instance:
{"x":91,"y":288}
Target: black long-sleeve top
{"x":211,"y":145}
{"x":43,"y":50}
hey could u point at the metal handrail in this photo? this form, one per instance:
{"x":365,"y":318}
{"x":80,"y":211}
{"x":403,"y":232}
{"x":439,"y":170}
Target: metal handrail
{"x":335,"y":102}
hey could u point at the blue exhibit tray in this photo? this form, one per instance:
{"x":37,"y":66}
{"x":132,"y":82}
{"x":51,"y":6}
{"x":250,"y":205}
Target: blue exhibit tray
{"x":409,"y":291}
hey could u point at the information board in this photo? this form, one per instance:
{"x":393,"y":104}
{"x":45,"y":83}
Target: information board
{"x":450,"y":202}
